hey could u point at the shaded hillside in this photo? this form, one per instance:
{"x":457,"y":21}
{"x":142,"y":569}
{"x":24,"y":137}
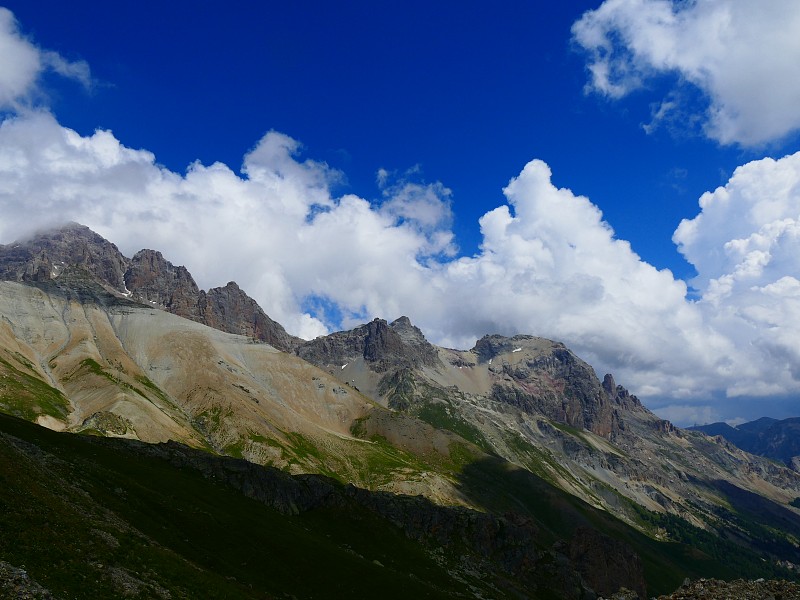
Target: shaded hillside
{"x":93,"y":517}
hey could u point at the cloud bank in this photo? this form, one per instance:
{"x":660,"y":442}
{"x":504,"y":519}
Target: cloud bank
{"x":741,"y":55}
{"x":549,"y":264}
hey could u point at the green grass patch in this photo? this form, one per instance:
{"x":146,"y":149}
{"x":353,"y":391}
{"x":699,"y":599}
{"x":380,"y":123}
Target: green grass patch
{"x":443,"y":415}
{"x":26,"y":396}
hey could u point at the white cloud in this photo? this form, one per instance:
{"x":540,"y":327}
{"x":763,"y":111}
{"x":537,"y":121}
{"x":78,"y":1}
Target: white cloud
{"x":688,"y":415}
{"x":22,"y":63}
{"x":548,"y":265}
{"x":742,"y":55}
{"x":745,"y":245}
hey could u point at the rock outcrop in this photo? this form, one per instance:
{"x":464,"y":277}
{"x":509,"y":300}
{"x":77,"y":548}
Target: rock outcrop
{"x":381,"y":345}
{"x":550,"y":380}
{"x":148,"y":277}
{"x":155,"y":280}
{"x":50,"y":253}
{"x":230,"y":309}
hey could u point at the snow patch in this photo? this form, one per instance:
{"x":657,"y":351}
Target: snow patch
{"x":517,"y":350}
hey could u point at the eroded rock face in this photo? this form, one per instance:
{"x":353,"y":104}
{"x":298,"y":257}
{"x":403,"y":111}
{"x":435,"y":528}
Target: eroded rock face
{"x":230,"y":309}
{"x":381,"y":345}
{"x":155,"y":280}
{"x":50,"y":253}
{"x":550,"y":380}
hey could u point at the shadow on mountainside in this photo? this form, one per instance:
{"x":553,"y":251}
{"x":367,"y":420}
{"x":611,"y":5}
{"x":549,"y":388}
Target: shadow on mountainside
{"x":753,"y":519}
{"x":688,"y":551}
{"x":89,"y":516}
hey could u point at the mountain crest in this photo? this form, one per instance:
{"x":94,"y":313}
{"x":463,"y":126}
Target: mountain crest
{"x":381,"y":345}
{"x":148,"y":277}
{"x":49,"y":253}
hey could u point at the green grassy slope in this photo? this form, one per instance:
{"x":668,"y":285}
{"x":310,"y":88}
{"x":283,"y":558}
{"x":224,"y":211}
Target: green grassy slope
{"x":91,"y":520}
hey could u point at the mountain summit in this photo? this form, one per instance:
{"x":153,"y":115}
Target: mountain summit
{"x":148,"y":277}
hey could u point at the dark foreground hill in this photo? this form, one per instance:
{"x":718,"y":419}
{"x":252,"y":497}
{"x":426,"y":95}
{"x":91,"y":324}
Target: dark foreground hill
{"x":89,"y":517}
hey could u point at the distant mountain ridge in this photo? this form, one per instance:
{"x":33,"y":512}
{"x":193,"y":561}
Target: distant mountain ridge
{"x":147,"y":277}
{"x":773,"y":438}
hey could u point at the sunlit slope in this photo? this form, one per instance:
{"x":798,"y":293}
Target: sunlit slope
{"x":94,"y":363}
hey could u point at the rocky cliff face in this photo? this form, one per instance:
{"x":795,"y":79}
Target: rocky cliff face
{"x":47,"y":255}
{"x":155,"y":280}
{"x":230,"y":309}
{"x":383,"y":346}
{"x":554,"y":383}
{"x":148,"y":277}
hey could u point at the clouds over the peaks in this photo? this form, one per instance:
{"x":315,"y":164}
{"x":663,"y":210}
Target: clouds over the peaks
{"x":549,"y":264}
{"x":741,"y":55}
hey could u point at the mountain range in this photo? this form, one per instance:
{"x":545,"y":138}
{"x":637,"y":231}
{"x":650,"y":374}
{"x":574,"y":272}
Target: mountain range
{"x":510,"y":465}
{"x":778,"y":439}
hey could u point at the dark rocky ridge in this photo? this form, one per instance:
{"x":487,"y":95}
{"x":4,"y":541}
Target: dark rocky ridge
{"x":381,"y":345}
{"x":155,"y":280}
{"x":148,"y":277}
{"x":45,"y":257}
{"x":557,"y":384}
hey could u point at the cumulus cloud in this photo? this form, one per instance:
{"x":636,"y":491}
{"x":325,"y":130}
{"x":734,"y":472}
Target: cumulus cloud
{"x":424,"y":207}
{"x":274,"y":228}
{"x":742,"y":55}
{"x":22,"y":63}
{"x":549,"y":263}
{"x":745,"y":245}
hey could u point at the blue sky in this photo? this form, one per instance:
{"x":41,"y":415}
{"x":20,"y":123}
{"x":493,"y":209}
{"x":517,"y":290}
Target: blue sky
{"x":396,"y":127}
{"x":468,"y":93}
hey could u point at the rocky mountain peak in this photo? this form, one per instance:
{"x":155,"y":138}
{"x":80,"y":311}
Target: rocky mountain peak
{"x":381,"y":345}
{"x":155,"y":280}
{"x":49,"y":253}
{"x":491,"y":346}
{"x":148,"y":278}
{"x":539,"y":376}
{"x":230,"y":309}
